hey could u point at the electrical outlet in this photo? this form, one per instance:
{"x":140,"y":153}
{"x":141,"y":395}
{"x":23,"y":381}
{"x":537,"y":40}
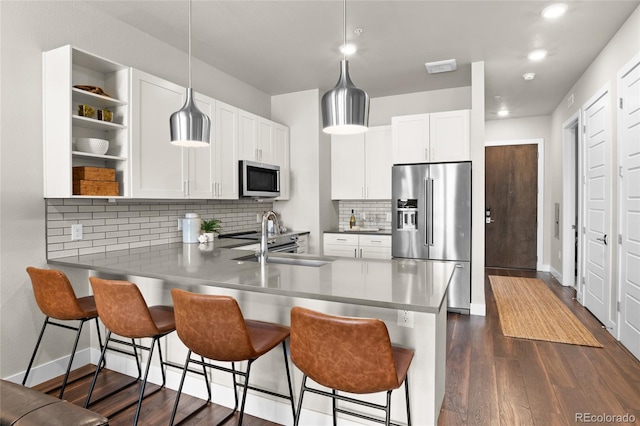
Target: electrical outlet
{"x":405,"y":319}
{"x":388,"y":217}
{"x":179,"y":224}
{"x":258,"y":218}
{"x":76,"y":232}
{"x":560,"y":255}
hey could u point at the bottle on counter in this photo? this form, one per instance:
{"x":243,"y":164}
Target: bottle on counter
{"x":352,"y":220}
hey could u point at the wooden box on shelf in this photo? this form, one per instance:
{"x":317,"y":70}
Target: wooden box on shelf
{"x":94,"y":173}
{"x":96,"y":187}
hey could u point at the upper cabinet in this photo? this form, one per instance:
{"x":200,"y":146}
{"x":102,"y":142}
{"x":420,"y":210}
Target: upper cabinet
{"x":280,"y":144}
{"x":435,"y":137}
{"x":361,"y":165}
{"x":64,"y":120}
{"x":146,"y":164}
{"x":256,"y":138}
{"x":158,"y":169}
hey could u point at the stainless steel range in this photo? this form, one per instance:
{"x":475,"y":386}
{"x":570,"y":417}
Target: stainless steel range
{"x":277,"y":243}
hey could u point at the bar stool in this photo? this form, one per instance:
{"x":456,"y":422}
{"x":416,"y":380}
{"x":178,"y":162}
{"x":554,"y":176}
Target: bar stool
{"x":214,"y":328}
{"x":124,"y":312}
{"x":346,"y":354}
{"x":56,"y":299}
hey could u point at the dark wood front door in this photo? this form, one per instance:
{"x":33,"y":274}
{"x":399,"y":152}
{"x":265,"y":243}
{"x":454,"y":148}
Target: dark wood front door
{"x":511,"y":197}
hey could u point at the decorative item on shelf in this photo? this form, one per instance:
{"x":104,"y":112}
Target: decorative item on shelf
{"x":210,"y":229}
{"x":95,"y":181}
{"x":189,"y":126}
{"x":92,"y":145}
{"x":86,"y":111}
{"x":92,"y":89}
{"x":105,"y":115}
{"x":345,"y":108}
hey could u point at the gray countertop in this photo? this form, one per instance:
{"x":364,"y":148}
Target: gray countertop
{"x":415,"y":285}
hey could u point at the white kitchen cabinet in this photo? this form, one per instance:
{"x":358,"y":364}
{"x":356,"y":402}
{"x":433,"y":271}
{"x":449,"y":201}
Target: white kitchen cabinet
{"x":410,"y":139}
{"x":224,"y":153}
{"x":357,"y":246}
{"x":63,"y":68}
{"x":435,"y":137}
{"x":158,"y":168}
{"x":255,"y":138}
{"x":361,"y":165}
{"x":280,"y":144}
{"x":449,"y":136}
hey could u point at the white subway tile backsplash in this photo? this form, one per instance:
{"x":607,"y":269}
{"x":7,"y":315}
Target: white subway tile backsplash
{"x":127,"y":224}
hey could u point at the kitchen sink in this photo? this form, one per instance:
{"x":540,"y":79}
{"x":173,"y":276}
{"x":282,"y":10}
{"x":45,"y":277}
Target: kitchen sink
{"x":296,"y":261}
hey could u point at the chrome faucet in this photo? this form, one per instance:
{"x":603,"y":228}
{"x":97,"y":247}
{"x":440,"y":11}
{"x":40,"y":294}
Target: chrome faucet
{"x":263,"y":254}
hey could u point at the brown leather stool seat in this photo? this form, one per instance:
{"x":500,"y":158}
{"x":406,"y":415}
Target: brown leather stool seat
{"x":57,"y":300}
{"x":347,"y":354}
{"x":22,"y":406}
{"x":124,"y":312}
{"x":213,"y":327}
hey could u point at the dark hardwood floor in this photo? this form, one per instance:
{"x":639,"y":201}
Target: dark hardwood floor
{"x":497,"y":380}
{"x":491,"y":379}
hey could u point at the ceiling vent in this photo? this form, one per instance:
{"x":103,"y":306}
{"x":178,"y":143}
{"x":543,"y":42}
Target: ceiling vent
{"x":441,"y":66}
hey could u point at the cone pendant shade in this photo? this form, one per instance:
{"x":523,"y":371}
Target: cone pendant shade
{"x":189,"y":126}
{"x":345,"y":108}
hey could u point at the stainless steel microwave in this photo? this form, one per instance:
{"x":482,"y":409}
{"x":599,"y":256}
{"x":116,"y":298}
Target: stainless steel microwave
{"x":259,"y":180}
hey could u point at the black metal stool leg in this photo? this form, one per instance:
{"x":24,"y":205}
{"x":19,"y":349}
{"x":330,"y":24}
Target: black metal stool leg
{"x":33,"y":356}
{"x":387,"y":411}
{"x":299,"y":411}
{"x":104,"y":361}
{"x":144,"y":382}
{"x":406,"y":392}
{"x":95,"y":375}
{"x":184,"y":375}
{"x":286,"y":366}
{"x":164,"y":375}
{"x":244,"y":392}
{"x":73,"y":353}
{"x":334,"y":404}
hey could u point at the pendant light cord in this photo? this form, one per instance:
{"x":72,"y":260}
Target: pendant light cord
{"x":190,"y":44}
{"x":344,"y":26}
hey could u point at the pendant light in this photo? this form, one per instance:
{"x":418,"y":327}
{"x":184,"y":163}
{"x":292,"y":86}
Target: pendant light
{"x":345,"y":108}
{"x":189,"y":126}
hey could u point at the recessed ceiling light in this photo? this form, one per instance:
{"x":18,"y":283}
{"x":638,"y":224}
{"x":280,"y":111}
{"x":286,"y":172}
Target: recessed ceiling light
{"x":537,"y":55}
{"x":348,"y":49}
{"x":529,"y":76}
{"x":554,"y":11}
{"x":503,"y":113}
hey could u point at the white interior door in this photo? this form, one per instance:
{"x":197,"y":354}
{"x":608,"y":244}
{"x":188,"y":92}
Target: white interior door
{"x":629,"y":149}
{"x":597,"y":139}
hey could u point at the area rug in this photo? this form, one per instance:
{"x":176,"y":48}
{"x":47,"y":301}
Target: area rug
{"x":528,"y":309}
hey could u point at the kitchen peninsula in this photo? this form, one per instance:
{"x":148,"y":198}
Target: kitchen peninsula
{"x":353,"y":287}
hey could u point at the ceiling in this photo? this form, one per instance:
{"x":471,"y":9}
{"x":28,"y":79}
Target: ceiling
{"x":288,"y":46}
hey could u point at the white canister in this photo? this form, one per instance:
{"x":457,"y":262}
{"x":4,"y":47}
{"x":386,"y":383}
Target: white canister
{"x":191,"y":228}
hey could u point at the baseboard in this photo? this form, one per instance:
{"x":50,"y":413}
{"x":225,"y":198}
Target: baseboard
{"x":557,"y":275}
{"x":47,"y":371}
{"x":479,"y":309}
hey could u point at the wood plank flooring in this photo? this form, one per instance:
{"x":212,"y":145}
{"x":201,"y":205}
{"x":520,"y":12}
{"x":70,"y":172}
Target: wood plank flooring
{"x":491,"y":379}
{"x":497,"y":380}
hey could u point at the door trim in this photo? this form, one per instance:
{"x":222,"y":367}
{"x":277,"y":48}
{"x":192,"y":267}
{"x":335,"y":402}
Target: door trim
{"x":626,"y":68}
{"x":571,"y":182}
{"x":540,"y":228}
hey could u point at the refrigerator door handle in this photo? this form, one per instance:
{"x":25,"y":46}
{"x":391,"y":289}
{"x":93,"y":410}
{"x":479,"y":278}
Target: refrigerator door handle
{"x":429,"y":202}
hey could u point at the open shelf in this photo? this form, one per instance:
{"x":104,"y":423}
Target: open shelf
{"x":92,"y":123}
{"x":93,"y":99}
{"x":98,"y":156}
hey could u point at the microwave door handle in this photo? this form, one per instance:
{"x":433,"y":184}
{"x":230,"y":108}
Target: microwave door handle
{"x":278,"y":180}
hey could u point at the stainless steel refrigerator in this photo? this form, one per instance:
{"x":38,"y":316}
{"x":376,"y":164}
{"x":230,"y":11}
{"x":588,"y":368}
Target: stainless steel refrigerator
{"x":431,"y":219}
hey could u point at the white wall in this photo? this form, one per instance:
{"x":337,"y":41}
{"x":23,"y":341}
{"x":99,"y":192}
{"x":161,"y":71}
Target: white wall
{"x":27,"y":29}
{"x":310,"y":207}
{"x":530,"y":128}
{"x":383,"y":108}
{"x":620,"y":49}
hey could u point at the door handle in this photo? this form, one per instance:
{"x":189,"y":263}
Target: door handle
{"x":603,"y":239}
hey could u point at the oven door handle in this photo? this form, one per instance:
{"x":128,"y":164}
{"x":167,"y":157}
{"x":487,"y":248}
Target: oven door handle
{"x":291,"y":248}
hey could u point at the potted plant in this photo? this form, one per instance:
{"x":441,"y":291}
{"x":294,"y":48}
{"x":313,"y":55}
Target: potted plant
{"x":210,"y":228}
